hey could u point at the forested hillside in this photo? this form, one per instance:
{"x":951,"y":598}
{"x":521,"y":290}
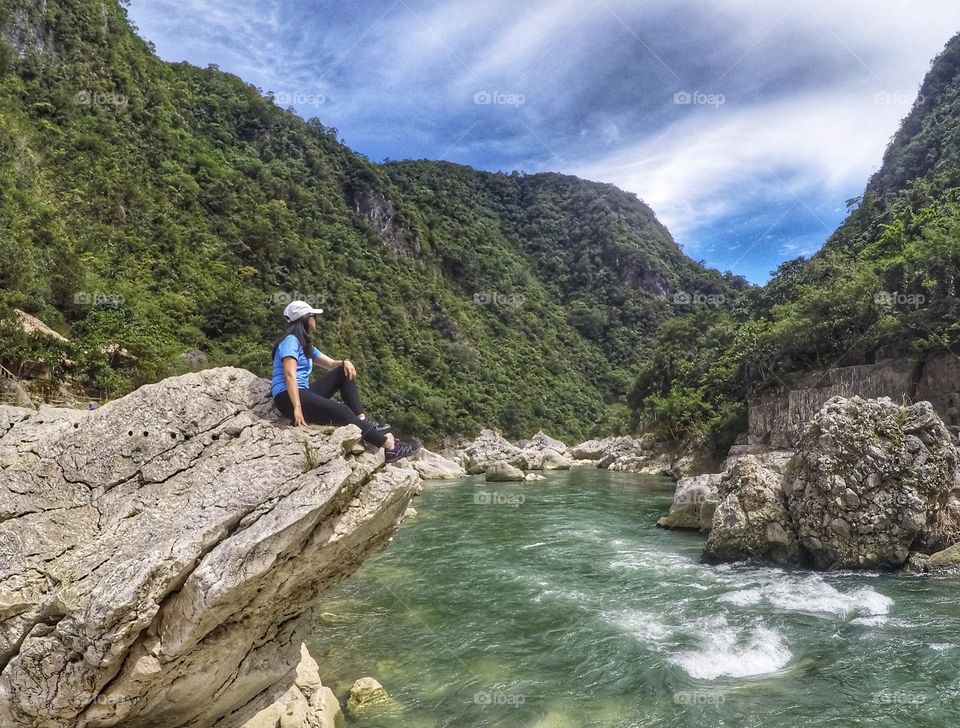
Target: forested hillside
{"x":172,"y":210}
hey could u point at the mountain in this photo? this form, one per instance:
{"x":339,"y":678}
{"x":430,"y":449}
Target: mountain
{"x":886,"y":283}
{"x":170,"y":211}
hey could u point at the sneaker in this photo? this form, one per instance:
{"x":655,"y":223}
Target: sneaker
{"x":401,"y":450}
{"x":379,"y":426}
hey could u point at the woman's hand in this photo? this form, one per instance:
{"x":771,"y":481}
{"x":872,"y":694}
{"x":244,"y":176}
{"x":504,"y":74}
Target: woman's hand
{"x":298,"y":420}
{"x":349,"y":369}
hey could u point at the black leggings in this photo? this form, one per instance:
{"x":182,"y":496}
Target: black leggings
{"x":319,"y":409}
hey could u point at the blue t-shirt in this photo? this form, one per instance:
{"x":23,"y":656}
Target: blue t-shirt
{"x":290,"y":346}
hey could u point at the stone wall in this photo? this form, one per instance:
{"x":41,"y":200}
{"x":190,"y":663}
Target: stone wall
{"x":776,"y":415}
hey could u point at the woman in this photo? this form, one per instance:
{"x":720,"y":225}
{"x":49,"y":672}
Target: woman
{"x":305,"y":403}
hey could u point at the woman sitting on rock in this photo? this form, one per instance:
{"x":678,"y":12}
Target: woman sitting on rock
{"x":307,"y":403}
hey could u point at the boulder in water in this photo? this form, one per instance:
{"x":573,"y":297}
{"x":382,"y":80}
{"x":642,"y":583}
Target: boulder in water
{"x":435,"y":467}
{"x":751,"y":520}
{"x":500,"y":472}
{"x":871,"y":481}
{"x":489,"y":448}
{"x":694,"y":501}
{"x":367,"y":697}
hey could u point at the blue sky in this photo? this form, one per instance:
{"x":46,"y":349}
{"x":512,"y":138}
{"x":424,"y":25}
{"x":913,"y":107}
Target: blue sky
{"x":745,"y":125}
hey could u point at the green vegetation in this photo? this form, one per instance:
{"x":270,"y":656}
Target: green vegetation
{"x":166,"y":209}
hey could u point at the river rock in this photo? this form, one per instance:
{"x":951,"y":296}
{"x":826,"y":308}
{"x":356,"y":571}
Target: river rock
{"x":751,"y":521}
{"x":367,"y":696}
{"x":432,"y":466}
{"x":529,"y":477}
{"x":871,"y":481}
{"x":489,"y":448}
{"x":501,"y":472}
{"x":590,"y":449}
{"x":307,"y":704}
{"x":162,"y":556}
{"x":547,"y":452}
{"x":694,"y":501}
{"x":946,"y":561}
{"x":12,"y":392}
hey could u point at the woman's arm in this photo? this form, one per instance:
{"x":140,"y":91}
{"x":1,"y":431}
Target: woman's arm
{"x":290,"y":379}
{"x":328,"y":363}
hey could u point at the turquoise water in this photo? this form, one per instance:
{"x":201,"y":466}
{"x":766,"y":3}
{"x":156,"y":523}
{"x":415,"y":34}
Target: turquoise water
{"x":558,"y":605}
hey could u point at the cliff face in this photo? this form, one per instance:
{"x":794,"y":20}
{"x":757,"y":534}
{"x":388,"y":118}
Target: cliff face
{"x":160,"y":557}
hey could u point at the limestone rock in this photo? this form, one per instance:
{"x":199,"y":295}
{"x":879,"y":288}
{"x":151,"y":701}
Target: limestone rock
{"x":872,"y":481}
{"x":592,"y":449}
{"x":547,"y":453}
{"x":529,"y":477}
{"x":501,"y":471}
{"x":490,"y":448}
{"x":13,"y":393}
{"x":694,"y":501}
{"x":367,"y":696}
{"x":306,"y":704}
{"x":946,"y":561}
{"x":751,"y":521}
{"x":432,"y":466}
{"x":161,"y":556}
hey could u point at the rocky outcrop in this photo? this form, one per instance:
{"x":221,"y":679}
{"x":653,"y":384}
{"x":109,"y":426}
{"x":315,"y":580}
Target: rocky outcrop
{"x":435,"y":467}
{"x":546,"y":453}
{"x":489,"y":448}
{"x":644,"y":455}
{"x":751,"y":521}
{"x":307,"y":704}
{"x":694,"y":501}
{"x":591,"y":449}
{"x":872,"y":481}
{"x":161,"y":557}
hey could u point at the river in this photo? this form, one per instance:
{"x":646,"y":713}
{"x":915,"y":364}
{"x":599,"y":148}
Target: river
{"x":559,"y":604}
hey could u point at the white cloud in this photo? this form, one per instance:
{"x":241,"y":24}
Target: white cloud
{"x":712,"y":162}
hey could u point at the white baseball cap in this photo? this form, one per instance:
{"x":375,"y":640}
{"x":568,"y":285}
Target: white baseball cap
{"x":296,"y":310}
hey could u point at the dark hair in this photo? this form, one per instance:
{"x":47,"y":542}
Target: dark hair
{"x":299,"y":329}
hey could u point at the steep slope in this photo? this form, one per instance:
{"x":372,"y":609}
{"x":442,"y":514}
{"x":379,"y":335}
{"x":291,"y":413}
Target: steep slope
{"x":169,"y":208}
